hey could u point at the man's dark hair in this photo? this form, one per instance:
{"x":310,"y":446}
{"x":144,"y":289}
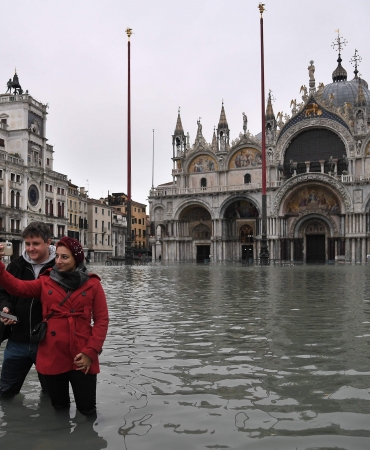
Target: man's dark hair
{"x":37,"y":229}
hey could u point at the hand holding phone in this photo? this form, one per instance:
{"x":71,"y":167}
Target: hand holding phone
{"x":7,"y":316}
{"x":6,"y":249}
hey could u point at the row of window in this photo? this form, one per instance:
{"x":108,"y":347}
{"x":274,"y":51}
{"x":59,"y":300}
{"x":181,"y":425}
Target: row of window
{"x":81,"y":222}
{"x":71,"y":203}
{"x":101,"y":242}
{"x":103,"y":229}
{"x":49,"y":208}
{"x":102,"y":211}
{"x":247,"y":179}
{"x":49,"y":188}
{"x":13,"y":176}
{"x":135,"y":220}
{"x":15,"y":227}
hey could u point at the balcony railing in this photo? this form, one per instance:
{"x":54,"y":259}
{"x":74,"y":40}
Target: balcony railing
{"x":15,"y":184}
{"x":354,"y":178}
{"x":174,"y":190}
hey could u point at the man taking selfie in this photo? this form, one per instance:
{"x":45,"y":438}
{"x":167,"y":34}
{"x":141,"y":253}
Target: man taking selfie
{"x":20,"y":354}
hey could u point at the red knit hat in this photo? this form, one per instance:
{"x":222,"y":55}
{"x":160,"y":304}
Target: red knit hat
{"x":74,"y":246}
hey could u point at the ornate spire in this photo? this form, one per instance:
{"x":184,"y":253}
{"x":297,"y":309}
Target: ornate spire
{"x":222,"y":123}
{"x":179,"y":129}
{"x":360,"y":100}
{"x":269,"y":111}
{"x":214,"y":139}
{"x":355,"y":60}
{"x":339,"y":74}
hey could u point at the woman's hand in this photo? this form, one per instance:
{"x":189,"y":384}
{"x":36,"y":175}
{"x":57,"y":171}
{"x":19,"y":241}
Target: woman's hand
{"x":83,"y":362}
{"x":7,"y":321}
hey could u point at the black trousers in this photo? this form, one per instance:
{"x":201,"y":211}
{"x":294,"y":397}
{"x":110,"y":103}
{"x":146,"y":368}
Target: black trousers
{"x":83,"y":386}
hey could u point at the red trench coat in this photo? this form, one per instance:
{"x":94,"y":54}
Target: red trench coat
{"x":69,"y":330}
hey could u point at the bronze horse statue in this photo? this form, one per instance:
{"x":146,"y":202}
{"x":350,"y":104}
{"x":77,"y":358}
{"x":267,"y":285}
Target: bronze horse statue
{"x":14,"y":85}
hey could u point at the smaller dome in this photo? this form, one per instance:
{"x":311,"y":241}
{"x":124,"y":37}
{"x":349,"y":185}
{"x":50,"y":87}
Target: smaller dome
{"x":357,"y":80}
{"x":339,"y":73}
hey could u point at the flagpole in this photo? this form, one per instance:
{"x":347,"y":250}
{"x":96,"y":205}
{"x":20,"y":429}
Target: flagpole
{"x":264,"y":251}
{"x":128,"y":254}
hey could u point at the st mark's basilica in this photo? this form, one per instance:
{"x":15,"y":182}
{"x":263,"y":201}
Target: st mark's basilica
{"x":318,"y":182}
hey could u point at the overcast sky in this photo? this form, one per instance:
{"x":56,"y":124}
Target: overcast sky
{"x":184,"y":53}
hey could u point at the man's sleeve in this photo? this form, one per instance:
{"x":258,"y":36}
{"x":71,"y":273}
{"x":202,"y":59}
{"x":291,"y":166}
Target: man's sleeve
{"x":5,"y":298}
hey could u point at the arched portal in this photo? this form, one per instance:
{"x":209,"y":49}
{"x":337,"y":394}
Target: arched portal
{"x":246,"y":239}
{"x":195,"y":223}
{"x":240,"y":226}
{"x":315,"y":232}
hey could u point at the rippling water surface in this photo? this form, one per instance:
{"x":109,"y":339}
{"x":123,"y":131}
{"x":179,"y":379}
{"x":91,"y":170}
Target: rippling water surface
{"x":219,"y":357}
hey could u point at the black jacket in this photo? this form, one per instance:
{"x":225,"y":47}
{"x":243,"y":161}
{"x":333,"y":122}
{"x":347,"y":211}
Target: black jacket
{"x":28,"y":310}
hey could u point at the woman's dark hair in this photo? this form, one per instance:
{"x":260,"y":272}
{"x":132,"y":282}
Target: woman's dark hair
{"x":37,"y":229}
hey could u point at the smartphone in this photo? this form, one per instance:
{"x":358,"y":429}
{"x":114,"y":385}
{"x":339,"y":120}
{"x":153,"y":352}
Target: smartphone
{"x":7,"y":248}
{"x":5,"y":315}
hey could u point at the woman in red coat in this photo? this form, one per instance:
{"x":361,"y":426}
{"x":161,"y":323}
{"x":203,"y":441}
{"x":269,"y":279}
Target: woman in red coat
{"x":69,"y":352}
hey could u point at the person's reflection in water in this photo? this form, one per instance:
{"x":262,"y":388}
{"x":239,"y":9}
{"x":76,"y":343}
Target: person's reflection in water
{"x":34,"y":425}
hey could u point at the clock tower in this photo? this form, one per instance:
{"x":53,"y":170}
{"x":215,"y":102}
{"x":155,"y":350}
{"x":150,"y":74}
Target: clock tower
{"x":30,"y":189}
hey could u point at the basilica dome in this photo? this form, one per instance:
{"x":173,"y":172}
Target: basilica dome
{"x":341,"y":91}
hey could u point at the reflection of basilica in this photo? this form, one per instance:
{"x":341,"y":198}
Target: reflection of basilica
{"x":318,"y":188}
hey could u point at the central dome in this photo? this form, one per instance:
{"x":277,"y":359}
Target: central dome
{"x":345,"y":91}
{"x":341,"y":91}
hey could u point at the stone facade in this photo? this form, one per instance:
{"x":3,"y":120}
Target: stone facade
{"x":29,"y":187}
{"x":318,"y":184}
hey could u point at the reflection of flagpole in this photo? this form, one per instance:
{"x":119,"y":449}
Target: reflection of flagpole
{"x":264,"y":252}
{"x":153,"y":164}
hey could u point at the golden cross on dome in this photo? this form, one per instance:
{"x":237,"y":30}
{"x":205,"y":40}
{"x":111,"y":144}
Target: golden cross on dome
{"x":339,"y":42}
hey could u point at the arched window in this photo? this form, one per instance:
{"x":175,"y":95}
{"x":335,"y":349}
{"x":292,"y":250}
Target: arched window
{"x":12,"y":199}
{"x":46,"y":206}
{"x":247,"y":178}
{"x":1,"y":196}
{"x":203,"y":182}
{"x":18,"y":200}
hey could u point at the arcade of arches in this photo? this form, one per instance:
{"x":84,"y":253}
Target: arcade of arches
{"x":317,"y":176}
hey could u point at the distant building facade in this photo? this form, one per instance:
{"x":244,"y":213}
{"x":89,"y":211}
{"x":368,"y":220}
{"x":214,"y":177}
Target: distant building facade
{"x":99,"y":235}
{"x":29,"y":187}
{"x":138,"y":217}
{"x":318,"y":183}
{"x":119,"y":233}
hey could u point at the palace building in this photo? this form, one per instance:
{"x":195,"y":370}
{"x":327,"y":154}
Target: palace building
{"x":318,"y":182}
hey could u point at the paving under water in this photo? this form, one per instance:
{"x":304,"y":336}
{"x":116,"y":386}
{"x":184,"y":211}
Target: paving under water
{"x":219,"y":357}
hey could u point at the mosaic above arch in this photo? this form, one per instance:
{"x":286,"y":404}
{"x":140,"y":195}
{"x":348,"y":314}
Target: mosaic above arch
{"x":308,"y":179}
{"x":241,"y":209}
{"x":195,"y":213}
{"x":312,"y":197}
{"x":245,"y":157}
{"x":202,"y":164}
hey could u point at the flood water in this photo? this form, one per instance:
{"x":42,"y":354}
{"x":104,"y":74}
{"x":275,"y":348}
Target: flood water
{"x":219,"y":357}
